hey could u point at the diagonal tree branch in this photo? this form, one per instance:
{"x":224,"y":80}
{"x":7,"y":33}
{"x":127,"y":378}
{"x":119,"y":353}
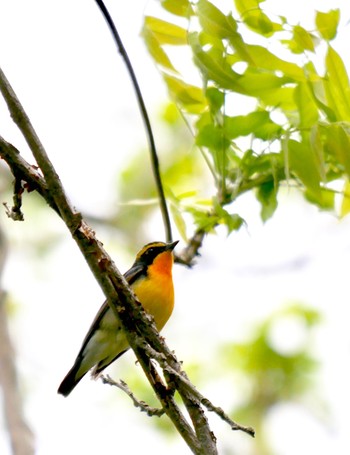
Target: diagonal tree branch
{"x":135,"y":322}
{"x":133,"y":319}
{"x":119,"y":296}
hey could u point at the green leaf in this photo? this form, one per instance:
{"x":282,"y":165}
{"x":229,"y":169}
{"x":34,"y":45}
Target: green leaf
{"x":308,"y":112}
{"x":255,"y":81}
{"x":337,"y":143}
{"x":242,"y":49}
{"x":155,"y":49}
{"x":337,"y":85}
{"x":327,"y":23}
{"x":345,"y":204}
{"x":317,"y":148}
{"x":216,"y":99}
{"x":214,"y":67}
{"x":267,"y":163}
{"x":267,"y":196}
{"x":268,"y":88}
{"x":280,"y":97}
{"x":247,"y":5}
{"x":188,"y":96}
{"x":179,"y":221}
{"x":181,"y":8}
{"x":317,"y":90}
{"x":255,"y":18}
{"x":243,"y":6}
{"x":212,"y":137}
{"x":303,"y":39}
{"x":264,"y":59}
{"x":165,"y":32}
{"x":303,"y":163}
{"x":257,"y":123}
{"x":214,"y":21}
{"x":232,"y":221}
{"x":204,"y":220}
{"x":325,"y":200}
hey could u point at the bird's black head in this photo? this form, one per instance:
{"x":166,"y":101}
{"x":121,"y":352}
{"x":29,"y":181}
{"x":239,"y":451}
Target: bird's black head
{"x":150,"y":251}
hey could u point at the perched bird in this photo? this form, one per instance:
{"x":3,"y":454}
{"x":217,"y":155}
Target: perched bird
{"x":151,"y":280}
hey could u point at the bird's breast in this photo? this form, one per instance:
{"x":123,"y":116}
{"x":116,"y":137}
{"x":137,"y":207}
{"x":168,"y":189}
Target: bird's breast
{"x":156,"y":293}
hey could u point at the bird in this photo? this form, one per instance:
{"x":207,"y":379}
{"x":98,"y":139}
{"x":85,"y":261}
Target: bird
{"x":150,"y":278}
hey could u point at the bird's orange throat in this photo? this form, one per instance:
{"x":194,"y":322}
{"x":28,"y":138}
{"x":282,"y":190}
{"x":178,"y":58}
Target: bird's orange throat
{"x":163,"y":263}
{"x":156,"y":292}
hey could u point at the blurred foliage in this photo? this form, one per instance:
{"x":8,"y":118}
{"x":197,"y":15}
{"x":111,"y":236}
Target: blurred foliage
{"x":182,"y":171}
{"x":297,"y":127}
{"x":273,"y":373}
{"x":261,"y":372}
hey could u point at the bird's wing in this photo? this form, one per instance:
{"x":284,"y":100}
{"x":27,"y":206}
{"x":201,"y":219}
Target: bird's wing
{"x":136,"y":271}
{"x":131,"y":276}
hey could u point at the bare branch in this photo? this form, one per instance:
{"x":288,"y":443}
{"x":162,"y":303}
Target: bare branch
{"x":191,"y":250}
{"x":144,"y":407}
{"x":145,"y":117}
{"x":181,"y":375}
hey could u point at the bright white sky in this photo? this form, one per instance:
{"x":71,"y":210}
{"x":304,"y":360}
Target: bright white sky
{"x":61,"y":60}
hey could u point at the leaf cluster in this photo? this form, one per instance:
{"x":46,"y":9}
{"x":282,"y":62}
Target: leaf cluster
{"x":261,"y":113}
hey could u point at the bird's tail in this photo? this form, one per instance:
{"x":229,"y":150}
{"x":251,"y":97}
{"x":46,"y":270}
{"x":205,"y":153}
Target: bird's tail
{"x":72,"y":378}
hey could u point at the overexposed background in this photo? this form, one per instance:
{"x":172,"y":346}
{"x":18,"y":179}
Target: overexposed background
{"x":62,"y":62}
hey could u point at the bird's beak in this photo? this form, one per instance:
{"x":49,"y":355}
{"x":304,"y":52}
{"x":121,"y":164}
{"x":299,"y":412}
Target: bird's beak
{"x":171,"y":246}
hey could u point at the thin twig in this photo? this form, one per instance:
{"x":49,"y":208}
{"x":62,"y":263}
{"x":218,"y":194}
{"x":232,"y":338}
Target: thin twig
{"x":28,"y":173}
{"x":181,"y":375}
{"x":15,"y":212}
{"x":145,"y":117}
{"x":191,"y":250}
{"x":144,"y":407}
{"x":208,"y":404}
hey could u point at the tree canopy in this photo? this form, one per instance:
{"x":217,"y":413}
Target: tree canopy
{"x":270,"y":108}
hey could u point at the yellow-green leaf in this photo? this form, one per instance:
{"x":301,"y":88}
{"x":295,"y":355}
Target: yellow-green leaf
{"x":165,"y":32}
{"x":327,"y":23}
{"x":214,"y":21}
{"x":317,"y":148}
{"x":302,"y":162}
{"x":181,"y":8}
{"x":337,"y":142}
{"x":267,"y":196}
{"x":257,"y":123}
{"x":179,"y":221}
{"x":255,"y":18}
{"x":303,"y":39}
{"x":189,"y":96}
{"x":345,"y":204}
{"x":214,"y":67}
{"x":265,"y":59}
{"x":337,"y":85}
{"x":307,"y":109}
{"x":155,"y":49}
